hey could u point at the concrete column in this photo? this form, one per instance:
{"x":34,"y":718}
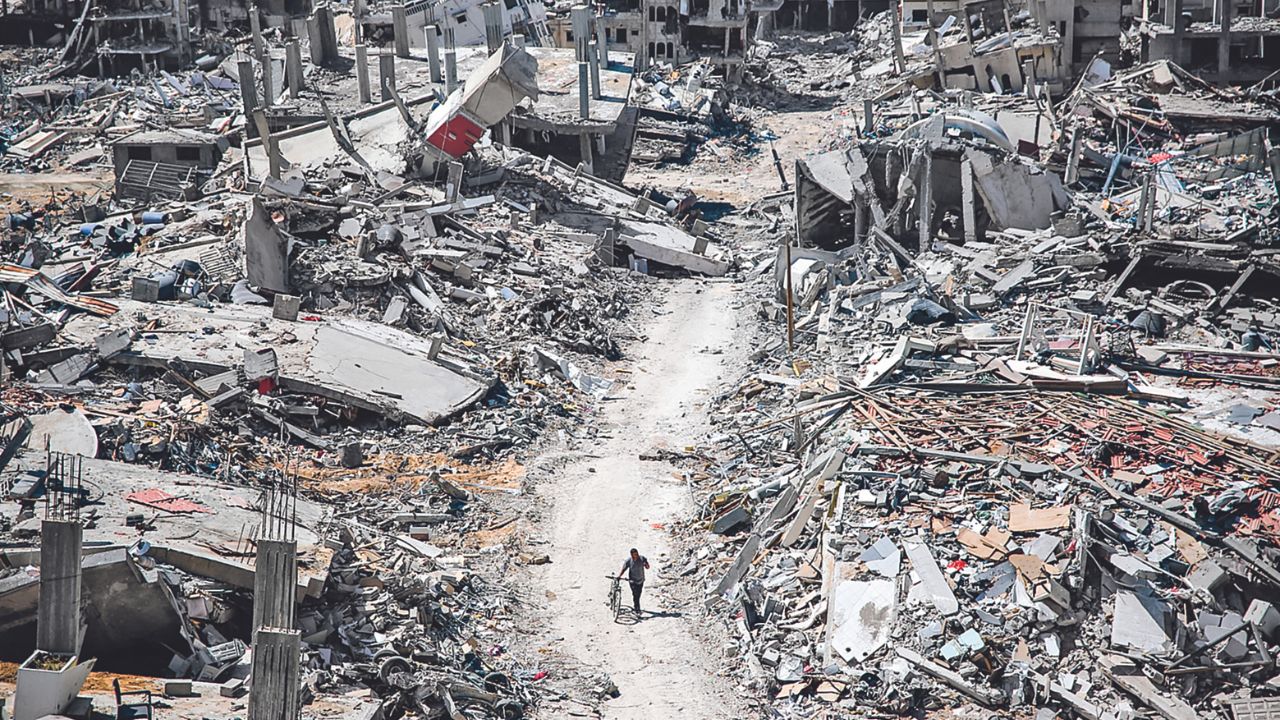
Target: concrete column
{"x":248,"y":90}
{"x":269,"y":143}
{"x":584,"y":90}
{"x":273,"y":694}
{"x":1069,"y":42}
{"x":924,"y":199}
{"x":1178,"y":28}
{"x":899,"y":58}
{"x":868,"y":116}
{"x":493,"y":33}
{"x":584,"y":147}
{"x":1225,"y":8}
{"x":1072,"y":171}
{"x":581,"y":17}
{"x":433,"y":52}
{"x":275,"y":583}
{"x":594,"y":68}
{"x":323,"y":35}
{"x":362,"y":73}
{"x":764,"y":26}
{"x":268,"y":80}
{"x":386,"y":74}
{"x":255,"y":31}
{"x":967,"y":200}
{"x":58,"y":613}
{"x":450,"y":70}
{"x":400,"y":25}
{"x":641,"y":61}
{"x":315,"y":43}
{"x":602,"y":43}
{"x":293,"y":66}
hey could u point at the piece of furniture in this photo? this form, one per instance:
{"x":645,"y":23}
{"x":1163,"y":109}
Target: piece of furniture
{"x":132,"y":710}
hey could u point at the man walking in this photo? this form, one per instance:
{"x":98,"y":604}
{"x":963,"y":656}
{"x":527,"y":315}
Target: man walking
{"x":634,"y":569}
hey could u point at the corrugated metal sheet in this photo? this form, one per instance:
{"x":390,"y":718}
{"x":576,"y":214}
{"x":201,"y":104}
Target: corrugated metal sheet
{"x":42,"y":285}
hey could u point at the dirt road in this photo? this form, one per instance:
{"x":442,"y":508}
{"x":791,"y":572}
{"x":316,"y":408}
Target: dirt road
{"x":606,"y":500}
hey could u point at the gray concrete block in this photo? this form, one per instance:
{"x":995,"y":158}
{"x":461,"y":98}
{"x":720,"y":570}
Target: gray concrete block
{"x":286,"y":307}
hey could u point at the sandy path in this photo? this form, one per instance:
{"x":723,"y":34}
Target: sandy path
{"x":607,"y":500}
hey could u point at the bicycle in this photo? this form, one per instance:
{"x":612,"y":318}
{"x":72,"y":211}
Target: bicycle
{"x":615,"y":595}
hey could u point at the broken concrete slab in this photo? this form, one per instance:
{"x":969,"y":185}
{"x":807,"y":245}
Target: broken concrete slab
{"x":669,"y":246}
{"x":1141,"y":622}
{"x":863,"y":614}
{"x":372,"y":366}
{"x":266,"y":250}
{"x":64,"y":431}
{"x":933,"y":583}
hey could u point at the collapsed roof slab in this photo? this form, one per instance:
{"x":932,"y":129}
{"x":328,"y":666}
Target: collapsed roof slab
{"x":206,"y":536}
{"x":124,"y":610}
{"x":669,"y":246}
{"x":369,"y":365}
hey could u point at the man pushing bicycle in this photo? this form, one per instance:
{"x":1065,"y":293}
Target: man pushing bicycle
{"x":634,"y":568}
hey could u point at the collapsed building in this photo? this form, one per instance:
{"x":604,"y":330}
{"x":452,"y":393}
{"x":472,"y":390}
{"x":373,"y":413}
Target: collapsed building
{"x":320,"y":245}
{"x":1006,"y":444}
{"x":718,"y":31}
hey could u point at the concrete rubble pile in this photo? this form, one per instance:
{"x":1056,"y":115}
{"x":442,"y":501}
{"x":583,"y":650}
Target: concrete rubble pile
{"x":336,"y":333}
{"x":1007,"y":445}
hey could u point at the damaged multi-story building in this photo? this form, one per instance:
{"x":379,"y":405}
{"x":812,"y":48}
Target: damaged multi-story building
{"x":1220,"y":40}
{"x":116,"y":36}
{"x":675,"y":32}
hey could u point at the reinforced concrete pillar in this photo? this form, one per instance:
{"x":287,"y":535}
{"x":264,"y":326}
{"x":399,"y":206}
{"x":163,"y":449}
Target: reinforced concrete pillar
{"x":450,"y":70}
{"x":248,"y":89}
{"x":386,"y":74}
{"x":602,"y":44}
{"x":584,"y":90}
{"x":58,"y":612}
{"x":293,"y":66}
{"x":968,"y":200}
{"x":1225,"y":8}
{"x":268,"y":80}
{"x":433,"y":52}
{"x":594,"y":66}
{"x":924,"y":196}
{"x":275,"y":582}
{"x":275,"y":675}
{"x":400,"y":25}
{"x":581,"y":17}
{"x":1176,"y":23}
{"x":584,"y":147}
{"x":362,"y":73}
{"x":255,"y":30}
{"x":492,"y":26}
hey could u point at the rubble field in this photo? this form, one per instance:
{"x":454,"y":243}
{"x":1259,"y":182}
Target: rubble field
{"x":926,"y":353}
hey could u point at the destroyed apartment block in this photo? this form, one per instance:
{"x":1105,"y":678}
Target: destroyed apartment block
{"x":718,"y":32}
{"x":250,"y":366}
{"x":165,"y":164}
{"x":453,"y":23}
{"x":916,"y":187}
{"x":294,"y":296}
{"x":1218,"y":40}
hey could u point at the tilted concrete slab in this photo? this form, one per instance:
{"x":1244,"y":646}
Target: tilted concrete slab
{"x":371,"y":366}
{"x":669,"y":246}
{"x":210,"y":544}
